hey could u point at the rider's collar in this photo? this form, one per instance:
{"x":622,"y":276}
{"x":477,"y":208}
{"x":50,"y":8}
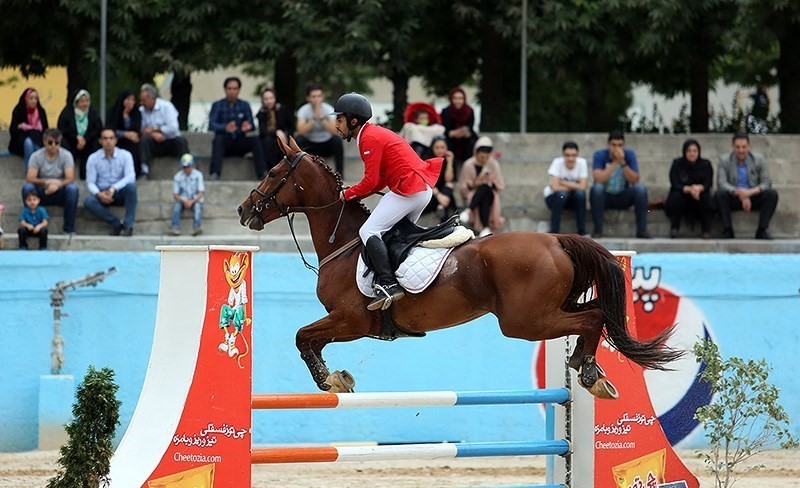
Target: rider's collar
{"x":358,"y":137}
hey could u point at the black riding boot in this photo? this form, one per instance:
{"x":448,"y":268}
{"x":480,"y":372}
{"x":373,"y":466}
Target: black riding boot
{"x":386,"y":287}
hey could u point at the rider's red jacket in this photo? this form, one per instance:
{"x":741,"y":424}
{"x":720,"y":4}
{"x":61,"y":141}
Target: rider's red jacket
{"x":390,"y":161}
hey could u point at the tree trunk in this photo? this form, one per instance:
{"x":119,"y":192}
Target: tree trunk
{"x":494,"y":65}
{"x":699,"y":91}
{"x":596,"y":97}
{"x":76,"y":74}
{"x":181,"y":97}
{"x":789,"y":80}
{"x":286,"y":80}
{"x":399,"y":99}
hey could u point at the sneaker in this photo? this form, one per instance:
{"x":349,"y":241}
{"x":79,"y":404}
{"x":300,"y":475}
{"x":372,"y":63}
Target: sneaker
{"x":763,"y":234}
{"x":197,"y":231}
{"x":145,"y":171}
{"x":127,"y":232}
{"x":484,"y":232}
{"x":643,"y":234}
{"x":213,"y":177}
{"x":116,"y":229}
{"x":174,"y":231}
{"x":464,"y":216}
{"x":728,"y":233}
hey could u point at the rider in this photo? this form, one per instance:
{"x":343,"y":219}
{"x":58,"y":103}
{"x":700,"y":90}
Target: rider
{"x":388,"y":161}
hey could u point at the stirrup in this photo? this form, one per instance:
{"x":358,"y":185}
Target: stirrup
{"x":390,"y":294}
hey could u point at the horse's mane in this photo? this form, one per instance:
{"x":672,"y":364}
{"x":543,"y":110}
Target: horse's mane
{"x":337,"y":178}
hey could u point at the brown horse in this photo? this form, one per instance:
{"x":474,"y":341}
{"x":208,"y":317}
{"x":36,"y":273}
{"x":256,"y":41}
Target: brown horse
{"x":531,"y":282}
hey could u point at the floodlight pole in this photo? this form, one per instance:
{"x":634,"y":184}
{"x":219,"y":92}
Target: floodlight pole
{"x":523,"y":70}
{"x":103,"y":42}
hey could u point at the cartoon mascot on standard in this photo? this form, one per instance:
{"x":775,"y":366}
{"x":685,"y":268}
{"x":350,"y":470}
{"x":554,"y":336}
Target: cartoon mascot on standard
{"x":233,"y":316}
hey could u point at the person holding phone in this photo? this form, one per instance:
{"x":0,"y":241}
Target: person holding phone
{"x":480,"y":184}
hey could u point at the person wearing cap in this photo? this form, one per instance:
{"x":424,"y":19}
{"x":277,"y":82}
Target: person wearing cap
{"x":389,"y":161}
{"x":188,"y":189}
{"x":480,"y":184}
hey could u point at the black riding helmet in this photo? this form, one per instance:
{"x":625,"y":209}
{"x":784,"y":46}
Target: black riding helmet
{"x":353,"y":106}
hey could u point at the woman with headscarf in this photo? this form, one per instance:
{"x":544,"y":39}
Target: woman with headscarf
{"x":690,"y":180}
{"x":28,"y":123}
{"x":124,"y":117}
{"x":480,"y":183}
{"x":80,"y":126}
{"x":458,"y":119}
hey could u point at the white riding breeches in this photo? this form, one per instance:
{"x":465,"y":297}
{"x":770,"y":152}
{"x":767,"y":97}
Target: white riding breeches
{"x":390,"y":209}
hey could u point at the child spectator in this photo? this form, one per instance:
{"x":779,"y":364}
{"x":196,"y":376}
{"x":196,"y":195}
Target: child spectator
{"x":188,"y":189}
{"x":32,"y":221}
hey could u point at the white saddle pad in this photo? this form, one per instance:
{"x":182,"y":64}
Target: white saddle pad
{"x":415,"y":274}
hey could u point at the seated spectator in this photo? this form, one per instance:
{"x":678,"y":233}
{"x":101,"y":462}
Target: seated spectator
{"x":690,"y":179}
{"x":231,"y":120}
{"x":160,"y":135}
{"x":458,"y":119}
{"x":743,"y":183}
{"x":420,"y":133}
{"x":567,"y":188}
{"x":125,"y":118}
{"x":32,"y":221}
{"x":80,"y":127}
{"x":51,"y":172}
{"x":188,"y":190}
{"x":481,"y":182}
{"x":274,"y":122}
{"x":616,"y":184}
{"x":2,"y":241}
{"x":443,"y":201}
{"x":111,"y":181}
{"x":316,"y":128}
{"x":28,"y":123}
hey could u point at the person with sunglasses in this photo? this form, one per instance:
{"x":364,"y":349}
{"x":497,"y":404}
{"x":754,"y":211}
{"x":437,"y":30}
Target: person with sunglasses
{"x":51,"y":172}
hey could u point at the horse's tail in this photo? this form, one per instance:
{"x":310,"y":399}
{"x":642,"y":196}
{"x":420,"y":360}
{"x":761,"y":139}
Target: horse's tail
{"x":595,"y":265}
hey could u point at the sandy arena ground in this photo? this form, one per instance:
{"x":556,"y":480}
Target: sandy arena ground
{"x":782,"y":470}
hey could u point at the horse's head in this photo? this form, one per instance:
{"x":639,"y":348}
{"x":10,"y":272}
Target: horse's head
{"x":298,"y":182}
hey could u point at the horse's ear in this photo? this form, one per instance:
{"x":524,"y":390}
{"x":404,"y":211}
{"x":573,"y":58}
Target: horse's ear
{"x":293,"y":145}
{"x":282,"y":145}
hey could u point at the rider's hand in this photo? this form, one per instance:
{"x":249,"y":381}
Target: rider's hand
{"x":341,"y":196}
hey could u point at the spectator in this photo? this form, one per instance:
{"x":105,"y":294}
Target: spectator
{"x":160,"y":135}
{"x":458,"y":119}
{"x":690,"y":179}
{"x":743,"y":183}
{"x":231,"y":120}
{"x":316,"y":128}
{"x":28,"y":123}
{"x":274,"y":122}
{"x":80,"y":127}
{"x":420,"y":133}
{"x":567,"y":188}
{"x":2,"y":243}
{"x":188,"y":190}
{"x":125,"y":118}
{"x":616,"y":184}
{"x":759,"y":113}
{"x":443,"y":201}
{"x":32,"y":221}
{"x":481,"y":182}
{"x":111,"y":181}
{"x":51,"y":172}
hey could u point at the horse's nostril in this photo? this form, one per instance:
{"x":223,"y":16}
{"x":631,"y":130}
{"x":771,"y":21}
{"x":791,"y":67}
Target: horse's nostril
{"x":239,"y":210}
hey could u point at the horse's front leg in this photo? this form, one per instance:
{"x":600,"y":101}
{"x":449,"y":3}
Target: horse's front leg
{"x":310,"y":341}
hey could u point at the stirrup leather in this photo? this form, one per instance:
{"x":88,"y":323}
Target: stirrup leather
{"x":386,"y":295}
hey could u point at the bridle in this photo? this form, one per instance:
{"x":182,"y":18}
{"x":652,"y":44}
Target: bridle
{"x":270,"y":200}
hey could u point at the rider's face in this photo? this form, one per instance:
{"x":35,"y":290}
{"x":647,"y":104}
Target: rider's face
{"x":341,"y":126}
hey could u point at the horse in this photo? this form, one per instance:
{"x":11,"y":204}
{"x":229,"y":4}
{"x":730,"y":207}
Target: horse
{"x":535,"y":284}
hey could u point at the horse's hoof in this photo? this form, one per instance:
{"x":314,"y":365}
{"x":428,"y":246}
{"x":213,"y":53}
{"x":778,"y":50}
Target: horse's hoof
{"x":340,"y":382}
{"x":603,"y":388}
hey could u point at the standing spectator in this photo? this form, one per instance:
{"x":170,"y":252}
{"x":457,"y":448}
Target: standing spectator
{"x":32,"y":221}
{"x":28,"y":123}
{"x":231,"y":120}
{"x":188,"y":190}
{"x":160,"y":135}
{"x":51,"y":172}
{"x":80,"y":127}
{"x":481,"y":182}
{"x":125,"y":118}
{"x":567,"y":188}
{"x":443,"y":201}
{"x":111,"y":181}
{"x":759,"y":113}
{"x":458,"y":119}
{"x":316,"y":128}
{"x":743,"y":183}
{"x":616,"y":184}
{"x":274,"y":122}
{"x":690,"y":179}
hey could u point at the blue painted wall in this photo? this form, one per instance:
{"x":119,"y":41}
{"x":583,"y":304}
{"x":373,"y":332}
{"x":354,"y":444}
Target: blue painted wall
{"x":750,"y":301}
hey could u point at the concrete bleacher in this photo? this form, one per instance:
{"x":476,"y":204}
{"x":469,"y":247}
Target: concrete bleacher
{"x":524,"y":159}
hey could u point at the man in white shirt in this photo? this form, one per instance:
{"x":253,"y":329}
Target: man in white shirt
{"x":567,"y":188}
{"x":160,"y":135}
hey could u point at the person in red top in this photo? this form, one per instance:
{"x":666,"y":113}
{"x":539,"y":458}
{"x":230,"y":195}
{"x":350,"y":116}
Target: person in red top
{"x":389,"y":161}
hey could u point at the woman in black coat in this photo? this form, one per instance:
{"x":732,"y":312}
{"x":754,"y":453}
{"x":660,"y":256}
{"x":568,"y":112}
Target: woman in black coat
{"x":274,"y":121}
{"x":690,"y":180}
{"x":28,"y":123}
{"x":125,"y":118}
{"x":80,"y":126}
